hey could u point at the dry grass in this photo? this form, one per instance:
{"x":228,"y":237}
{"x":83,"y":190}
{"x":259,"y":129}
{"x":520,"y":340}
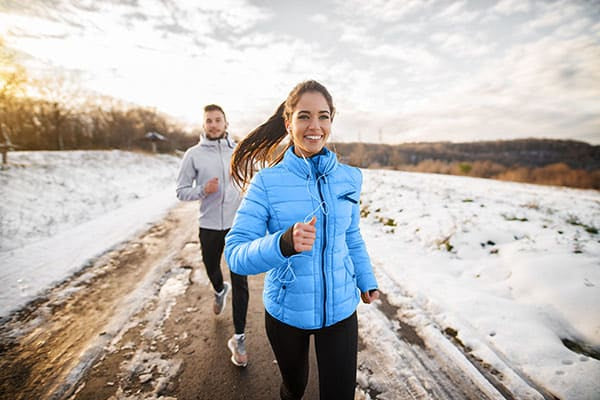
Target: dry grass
{"x":559,"y":174}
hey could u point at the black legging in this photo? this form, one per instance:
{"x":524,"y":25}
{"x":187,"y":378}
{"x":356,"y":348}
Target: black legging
{"x":336,"y":348}
{"x":212,"y":243}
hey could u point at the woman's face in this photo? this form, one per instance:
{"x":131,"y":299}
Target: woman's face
{"x":310,"y":124}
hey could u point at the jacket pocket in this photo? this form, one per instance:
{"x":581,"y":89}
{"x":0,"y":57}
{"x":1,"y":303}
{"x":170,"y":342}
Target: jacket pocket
{"x":281,"y":298}
{"x":351,"y":196}
{"x":281,"y":295}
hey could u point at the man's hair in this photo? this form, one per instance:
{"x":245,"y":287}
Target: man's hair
{"x":214,"y":107}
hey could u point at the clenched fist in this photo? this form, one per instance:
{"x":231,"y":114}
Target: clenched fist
{"x":211,"y":186}
{"x":304,"y":235}
{"x":370,"y":296}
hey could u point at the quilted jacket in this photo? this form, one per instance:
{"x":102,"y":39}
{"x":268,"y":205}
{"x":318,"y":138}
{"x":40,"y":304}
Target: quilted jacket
{"x":316,"y":288}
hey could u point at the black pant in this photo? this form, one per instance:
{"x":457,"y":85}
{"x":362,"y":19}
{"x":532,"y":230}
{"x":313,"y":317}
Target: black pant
{"x":336,"y":348}
{"x":212,"y":243}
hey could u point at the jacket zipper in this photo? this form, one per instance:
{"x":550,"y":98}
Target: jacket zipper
{"x":323,"y":256}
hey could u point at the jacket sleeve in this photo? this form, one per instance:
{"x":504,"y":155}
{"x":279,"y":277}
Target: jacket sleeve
{"x":186,"y":190}
{"x":249,"y":249}
{"x":365,"y":277}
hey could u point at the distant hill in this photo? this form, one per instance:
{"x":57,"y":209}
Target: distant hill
{"x":544,"y":161}
{"x":509,"y":153}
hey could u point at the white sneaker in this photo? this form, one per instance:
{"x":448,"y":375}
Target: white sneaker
{"x":238,"y":351}
{"x":221,"y":298}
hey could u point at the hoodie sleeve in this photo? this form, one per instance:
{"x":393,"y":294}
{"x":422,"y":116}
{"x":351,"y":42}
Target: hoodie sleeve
{"x":186,"y":191}
{"x":249,"y":249}
{"x":365,"y":277}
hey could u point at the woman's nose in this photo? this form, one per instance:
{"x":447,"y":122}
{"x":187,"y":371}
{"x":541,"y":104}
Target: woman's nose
{"x":314,"y":123}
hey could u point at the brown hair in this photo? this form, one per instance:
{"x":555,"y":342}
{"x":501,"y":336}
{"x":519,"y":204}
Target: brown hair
{"x":214,"y":107}
{"x":258,"y":148}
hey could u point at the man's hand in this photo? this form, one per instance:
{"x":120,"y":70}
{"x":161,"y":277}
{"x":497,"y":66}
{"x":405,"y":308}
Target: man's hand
{"x":370,"y":296}
{"x":304,"y":235}
{"x":211,"y":186}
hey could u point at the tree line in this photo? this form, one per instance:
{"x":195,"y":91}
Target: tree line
{"x":55,"y":114}
{"x":38,"y":124}
{"x":543,"y":161}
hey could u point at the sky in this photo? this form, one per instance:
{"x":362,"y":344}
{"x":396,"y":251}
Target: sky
{"x":399,"y":70}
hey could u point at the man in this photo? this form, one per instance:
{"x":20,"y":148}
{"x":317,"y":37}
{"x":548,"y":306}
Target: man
{"x":204,"y":176}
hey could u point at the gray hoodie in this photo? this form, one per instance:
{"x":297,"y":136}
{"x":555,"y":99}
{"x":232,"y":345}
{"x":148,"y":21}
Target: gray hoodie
{"x":206,"y":160}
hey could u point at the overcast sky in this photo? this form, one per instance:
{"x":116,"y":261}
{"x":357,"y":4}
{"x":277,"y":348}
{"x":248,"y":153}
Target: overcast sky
{"x":398,"y":70}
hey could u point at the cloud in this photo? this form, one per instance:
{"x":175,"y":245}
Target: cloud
{"x":574,"y":28}
{"x":379,"y":10}
{"x":135,"y":15}
{"x":319,"y":18}
{"x":459,"y":44}
{"x":237,"y":16}
{"x":413,"y":57}
{"x":511,"y":7}
{"x":554,"y":14}
{"x":528,"y":92}
{"x":457,"y":13}
{"x":353,"y":33}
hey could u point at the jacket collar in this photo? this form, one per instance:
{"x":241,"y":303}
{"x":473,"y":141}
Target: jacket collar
{"x":320,"y":164}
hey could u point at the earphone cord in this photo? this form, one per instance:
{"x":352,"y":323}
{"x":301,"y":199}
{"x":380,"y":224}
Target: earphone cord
{"x":322,"y":203}
{"x":322,"y":206}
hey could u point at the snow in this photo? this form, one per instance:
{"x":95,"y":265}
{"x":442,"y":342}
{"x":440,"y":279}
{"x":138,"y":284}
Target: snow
{"x":60,"y":210}
{"x":513,"y":269}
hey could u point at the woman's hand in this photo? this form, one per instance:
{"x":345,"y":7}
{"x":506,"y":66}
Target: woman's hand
{"x":370,"y":296}
{"x":304,"y":235}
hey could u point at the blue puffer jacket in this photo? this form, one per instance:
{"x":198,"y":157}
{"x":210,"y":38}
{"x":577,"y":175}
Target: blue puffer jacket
{"x":315,"y":288}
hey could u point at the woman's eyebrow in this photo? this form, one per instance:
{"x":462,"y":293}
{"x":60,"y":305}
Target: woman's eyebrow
{"x":308,"y":112}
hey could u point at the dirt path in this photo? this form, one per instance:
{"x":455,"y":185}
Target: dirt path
{"x":132,"y":325}
{"x":138,"y":324}
{"x":195,"y":337}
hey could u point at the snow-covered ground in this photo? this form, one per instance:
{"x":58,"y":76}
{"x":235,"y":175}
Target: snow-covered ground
{"x":511,"y":270}
{"x":60,"y":210}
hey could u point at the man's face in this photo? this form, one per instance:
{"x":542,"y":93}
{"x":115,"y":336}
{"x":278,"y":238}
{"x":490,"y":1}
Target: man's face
{"x":214,"y":124}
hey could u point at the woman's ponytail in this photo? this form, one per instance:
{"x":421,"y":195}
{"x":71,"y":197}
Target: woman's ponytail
{"x":257,"y":149}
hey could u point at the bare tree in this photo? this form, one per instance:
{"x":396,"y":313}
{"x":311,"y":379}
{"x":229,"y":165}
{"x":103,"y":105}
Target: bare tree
{"x":62,"y":95}
{"x":13,"y":79}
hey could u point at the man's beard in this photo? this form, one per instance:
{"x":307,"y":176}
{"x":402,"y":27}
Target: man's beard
{"x":221,"y":136}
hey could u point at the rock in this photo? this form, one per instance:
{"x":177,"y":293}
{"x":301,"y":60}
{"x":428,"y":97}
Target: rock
{"x":145,"y":378}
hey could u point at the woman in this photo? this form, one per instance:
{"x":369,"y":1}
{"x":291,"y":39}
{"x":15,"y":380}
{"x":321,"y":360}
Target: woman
{"x":299,"y":223}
